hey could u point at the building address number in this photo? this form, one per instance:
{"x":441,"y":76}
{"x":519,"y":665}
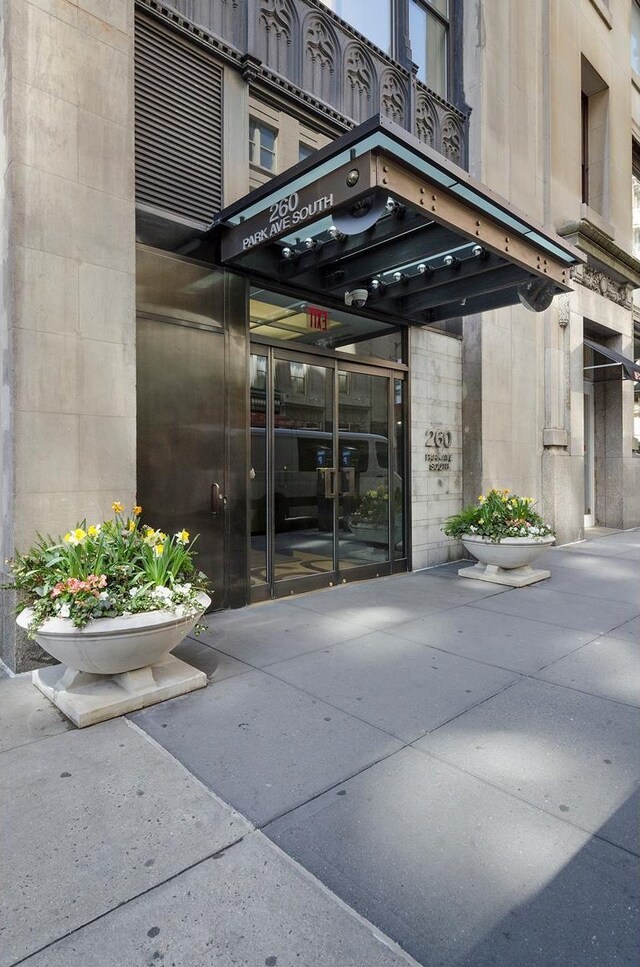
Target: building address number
{"x":439,"y":441}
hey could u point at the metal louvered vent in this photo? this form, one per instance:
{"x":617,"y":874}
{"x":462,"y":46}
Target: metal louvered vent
{"x":178,"y":100}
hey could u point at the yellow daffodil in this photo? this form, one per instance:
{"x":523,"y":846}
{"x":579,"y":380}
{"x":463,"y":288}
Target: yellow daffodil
{"x":93,"y":530}
{"x":182,"y":537}
{"x":75,"y":537}
{"x":117,"y":507}
{"x":148,"y":531}
{"x":132,"y":526}
{"x":482,"y":498}
{"x":67,"y":538}
{"x":159,"y":549}
{"x":137,"y":511}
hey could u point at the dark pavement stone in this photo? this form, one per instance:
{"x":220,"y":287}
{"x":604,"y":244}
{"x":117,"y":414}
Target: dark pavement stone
{"x":262,"y":745}
{"x":397,"y":685}
{"x":607,"y":667}
{"x":498,"y":639}
{"x":458,"y":872}
{"x":571,"y":754}
{"x":578,"y":611}
{"x":629,"y":631}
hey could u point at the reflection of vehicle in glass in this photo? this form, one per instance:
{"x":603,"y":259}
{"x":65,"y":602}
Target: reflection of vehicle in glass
{"x":302,"y":459}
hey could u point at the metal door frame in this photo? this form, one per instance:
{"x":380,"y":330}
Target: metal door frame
{"x":333,"y":364}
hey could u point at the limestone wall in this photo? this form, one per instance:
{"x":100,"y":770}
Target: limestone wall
{"x":68,"y":311}
{"x":436,"y":478}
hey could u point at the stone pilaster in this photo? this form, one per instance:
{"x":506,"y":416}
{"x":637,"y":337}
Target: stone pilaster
{"x":68,"y":311}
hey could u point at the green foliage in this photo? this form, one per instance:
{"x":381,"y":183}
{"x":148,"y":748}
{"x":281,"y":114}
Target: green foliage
{"x":499,"y":514}
{"x":374,"y":506}
{"x":105,"y":570}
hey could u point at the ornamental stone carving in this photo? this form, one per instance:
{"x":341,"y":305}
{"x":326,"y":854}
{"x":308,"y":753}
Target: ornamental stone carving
{"x":277,"y":17}
{"x":276,"y":22}
{"x":359,"y":77}
{"x":452,"y":139}
{"x":604,"y":285}
{"x":426,"y":125}
{"x":320,"y":57}
{"x":393,"y":97}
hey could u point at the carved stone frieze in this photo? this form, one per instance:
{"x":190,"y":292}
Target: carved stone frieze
{"x":452,"y":139}
{"x":319,"y":44}
{"x":277,"y":16}
{"x":604,"y":285}
{"x":393,"y":97}
{"x":358,"y":70}
{"x":426,"y":123}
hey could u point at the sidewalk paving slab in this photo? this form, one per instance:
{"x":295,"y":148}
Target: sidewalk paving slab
{"x":460,"y":873}
{"x":263,"y":745}
{"x":90,"y":819}
{"x":569,"y":753}
{"x":606,"y":666}
{"x":628,"y":631}
{"x":293,"y":632}
{"x":566,"y":610}
{"x":519,"y":644}
{"x":405,"y":688}
{"x":25,"y":714}
{"x":247,"y":907}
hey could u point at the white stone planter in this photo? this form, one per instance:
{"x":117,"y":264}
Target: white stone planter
{"x":114,"y":665}
{"x":507,"y":561}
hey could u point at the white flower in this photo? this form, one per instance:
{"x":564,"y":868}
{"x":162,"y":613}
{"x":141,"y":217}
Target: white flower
{"x":162,"y":593}
{"x":65,"y":611}
{"x":182,"y":588}
{"x":104,"y":595}
{"x":133,"y":592}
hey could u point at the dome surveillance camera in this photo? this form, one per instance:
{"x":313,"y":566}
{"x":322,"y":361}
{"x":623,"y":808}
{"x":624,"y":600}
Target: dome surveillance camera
{"x":357,"y":298}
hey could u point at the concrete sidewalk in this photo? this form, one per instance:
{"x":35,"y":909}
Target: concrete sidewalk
{"x":421,"y":766}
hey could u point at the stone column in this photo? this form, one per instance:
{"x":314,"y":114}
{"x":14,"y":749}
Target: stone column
{"x":68,"y":272}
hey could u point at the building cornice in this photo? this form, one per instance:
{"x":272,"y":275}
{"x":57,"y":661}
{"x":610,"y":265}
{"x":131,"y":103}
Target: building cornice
{"x":603,"y":255}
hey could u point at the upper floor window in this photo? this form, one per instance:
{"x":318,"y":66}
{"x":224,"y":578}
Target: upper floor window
{"x":635,"y":36}
{"x":262,"y":145}
{"x":371,"y":17}
{"x":429,"y":35}
{"x":305,"y":151}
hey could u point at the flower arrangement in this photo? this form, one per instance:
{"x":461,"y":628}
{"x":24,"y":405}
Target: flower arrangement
{"x":500,"y":514}
{"x":117,"y":568}
{"x":373,"y":507}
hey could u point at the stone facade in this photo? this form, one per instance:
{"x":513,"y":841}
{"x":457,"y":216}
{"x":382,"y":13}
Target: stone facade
{"x":510,"y":393}
{"x":436,"y":444}
{"x":68,"y":271}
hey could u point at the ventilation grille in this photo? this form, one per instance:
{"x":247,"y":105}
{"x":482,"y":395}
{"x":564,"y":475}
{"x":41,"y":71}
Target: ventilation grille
{"x":178,"y":99}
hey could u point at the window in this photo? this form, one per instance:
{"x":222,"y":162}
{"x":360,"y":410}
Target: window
{"x":344,"y":383}
{"x":371,"y":17}
{"x":428,"y":32}
{"x":594,"y":140}
{"x":258,"y":372}
{"x":635,"y":36}
{"x":262,"y":145}
{"x":635,"y":198}
{"x":305,"y":151}
{"x":298,"y":375}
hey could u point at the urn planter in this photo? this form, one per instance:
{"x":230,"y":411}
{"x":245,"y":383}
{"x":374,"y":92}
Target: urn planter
{"x":115,"y":665}
{"x":507,"y":561}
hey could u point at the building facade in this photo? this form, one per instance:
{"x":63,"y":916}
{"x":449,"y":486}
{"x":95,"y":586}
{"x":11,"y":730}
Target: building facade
{"x":309,"y":435}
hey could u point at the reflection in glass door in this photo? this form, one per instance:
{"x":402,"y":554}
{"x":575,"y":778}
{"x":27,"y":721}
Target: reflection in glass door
{"x":324,"y":460}
{"x":589,"y":461}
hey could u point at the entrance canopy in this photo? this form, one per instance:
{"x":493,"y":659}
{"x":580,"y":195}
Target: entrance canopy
{"x":378,"y":219}
{"x":628,"y":368}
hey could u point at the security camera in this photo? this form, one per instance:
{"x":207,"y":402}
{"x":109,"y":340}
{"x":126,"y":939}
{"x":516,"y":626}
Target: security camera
{"x":357,"y":298}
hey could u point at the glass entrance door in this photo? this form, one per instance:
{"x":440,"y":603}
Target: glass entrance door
{"x":324,"y":462}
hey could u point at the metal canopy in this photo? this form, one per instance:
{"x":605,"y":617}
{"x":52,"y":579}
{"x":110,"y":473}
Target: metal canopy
{"x":628,"y":368}
{"x":379,"y":219}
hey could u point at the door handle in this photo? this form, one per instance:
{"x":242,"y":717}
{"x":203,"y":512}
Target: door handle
{"x":329,"y":478}
{"x":347,"y":482}
{"x":217,"y":499}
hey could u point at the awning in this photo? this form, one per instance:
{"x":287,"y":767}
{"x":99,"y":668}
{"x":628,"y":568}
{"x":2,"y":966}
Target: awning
{"x":628,"y":368}
{"x":379,"y":219}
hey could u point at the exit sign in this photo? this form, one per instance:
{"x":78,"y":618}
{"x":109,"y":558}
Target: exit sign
{"x":317,"y":319}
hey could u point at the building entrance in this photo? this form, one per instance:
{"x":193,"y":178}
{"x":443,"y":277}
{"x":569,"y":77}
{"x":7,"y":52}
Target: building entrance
{"x":327,"y":477}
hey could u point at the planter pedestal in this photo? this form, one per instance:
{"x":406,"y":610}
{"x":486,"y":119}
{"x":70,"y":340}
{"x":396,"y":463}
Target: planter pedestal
{"x":507,"y":561}
{"x":516,"y":577}
{"x":86,"y":698}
